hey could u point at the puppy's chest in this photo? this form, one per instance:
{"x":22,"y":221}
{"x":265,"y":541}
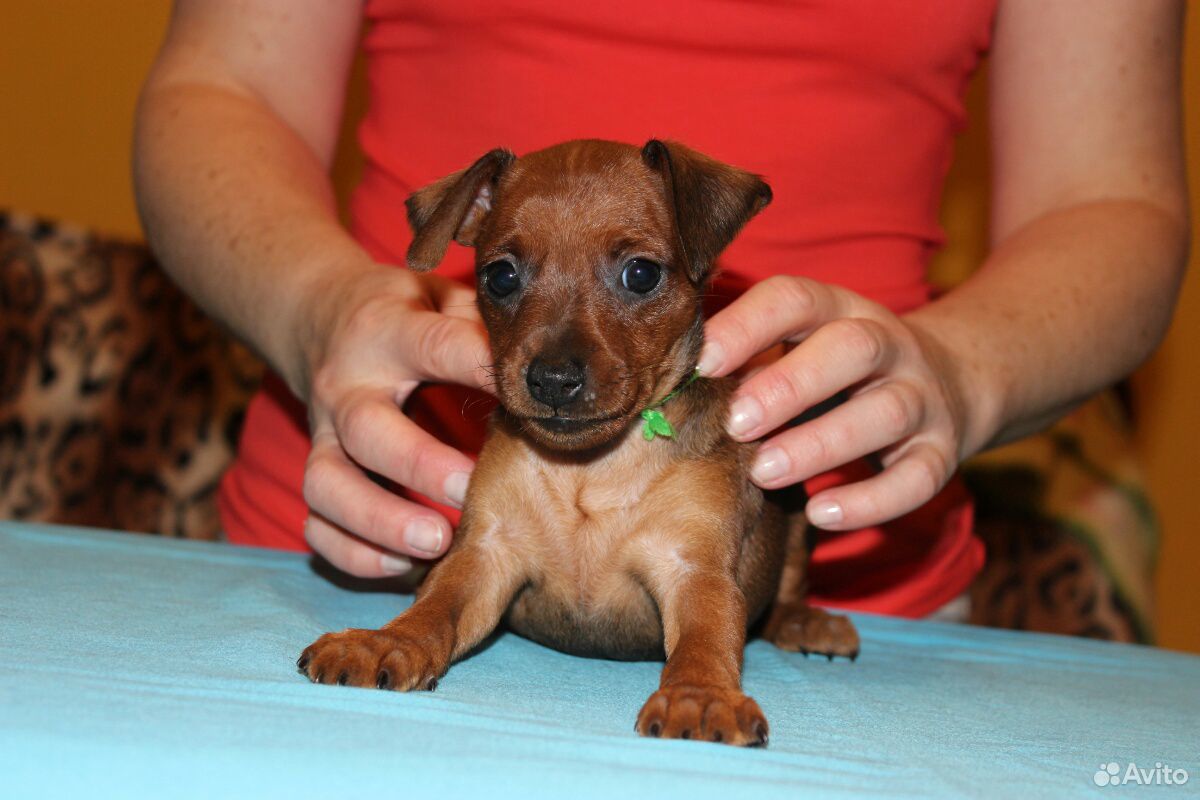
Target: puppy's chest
{"x":584,"y":542}
{"x":580,"y":528}
{"x":590,"y":521}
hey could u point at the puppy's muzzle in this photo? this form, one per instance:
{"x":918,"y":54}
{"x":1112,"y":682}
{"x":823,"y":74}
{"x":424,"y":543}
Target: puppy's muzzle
{"x":557,"y":385}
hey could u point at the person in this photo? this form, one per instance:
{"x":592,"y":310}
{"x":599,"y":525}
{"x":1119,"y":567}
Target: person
{"x":360,"y":446}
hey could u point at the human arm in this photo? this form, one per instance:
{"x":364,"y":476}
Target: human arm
{"x":235,"y":132}
{"x":1090,"y":236}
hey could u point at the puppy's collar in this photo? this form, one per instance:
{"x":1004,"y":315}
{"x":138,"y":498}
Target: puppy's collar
{"x":654,"y":423}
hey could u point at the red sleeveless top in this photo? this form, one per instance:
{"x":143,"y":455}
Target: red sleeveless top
{"x":847,"y":109}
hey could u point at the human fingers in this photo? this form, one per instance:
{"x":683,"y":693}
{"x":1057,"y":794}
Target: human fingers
{"x":351,"y":554}
{"x":867,"y":423}
{"x":452,"y":298}
{"x":836,"y":356}
{"x":446,"y":349}
{"x":780,"y":308}
{"x":911,"y":480}
{"x":340,"y":491}
{"x":373,"y":431}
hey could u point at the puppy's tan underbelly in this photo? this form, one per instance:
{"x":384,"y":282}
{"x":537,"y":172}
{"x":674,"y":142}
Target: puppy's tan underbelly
{"x":628,"y":629}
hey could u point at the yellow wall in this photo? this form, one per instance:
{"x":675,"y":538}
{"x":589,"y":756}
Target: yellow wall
{"x":69,"y":72}
{"x":69,"y":76}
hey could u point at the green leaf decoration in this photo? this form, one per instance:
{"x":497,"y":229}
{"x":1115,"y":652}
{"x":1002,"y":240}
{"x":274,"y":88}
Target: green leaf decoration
{"x":647,"y":428}
{"x":661,"y":426}
{"x":656,"y":425}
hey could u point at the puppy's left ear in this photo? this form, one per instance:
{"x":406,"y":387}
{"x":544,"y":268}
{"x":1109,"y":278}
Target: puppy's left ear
{"x":452,"y":208}
{"x":711,"y":201}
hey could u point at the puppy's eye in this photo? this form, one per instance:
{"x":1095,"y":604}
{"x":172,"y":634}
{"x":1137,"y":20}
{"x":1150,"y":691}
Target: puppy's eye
{"x":641,"y":275}
{"x":501,"y":278}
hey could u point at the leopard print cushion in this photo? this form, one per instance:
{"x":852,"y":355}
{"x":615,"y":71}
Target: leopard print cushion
{"x":120,"y":402}
{"x":1040,"y":576}
{"x":1070,"y":531}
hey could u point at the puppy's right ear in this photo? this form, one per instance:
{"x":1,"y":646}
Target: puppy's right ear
{"x":452,"y":208}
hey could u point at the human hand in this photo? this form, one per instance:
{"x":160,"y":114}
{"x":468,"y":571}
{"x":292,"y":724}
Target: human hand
{"x":905,"y":402}
{"x":379,"y":335}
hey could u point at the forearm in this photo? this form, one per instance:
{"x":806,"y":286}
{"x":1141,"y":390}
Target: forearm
{"x":240,"y":211}
{"x":1063,"y":307}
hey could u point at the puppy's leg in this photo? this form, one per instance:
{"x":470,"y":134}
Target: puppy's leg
{"x":792,"y":624}
{"x":460,"y":602}
{"x":700,"y":695}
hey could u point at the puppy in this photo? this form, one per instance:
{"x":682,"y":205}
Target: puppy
{"x":609,"y":515}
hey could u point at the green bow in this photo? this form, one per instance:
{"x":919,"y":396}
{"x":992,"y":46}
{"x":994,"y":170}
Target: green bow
{"x":655,"y":423}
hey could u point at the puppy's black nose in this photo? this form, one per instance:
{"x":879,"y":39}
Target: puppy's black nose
{"x":555,"y":385}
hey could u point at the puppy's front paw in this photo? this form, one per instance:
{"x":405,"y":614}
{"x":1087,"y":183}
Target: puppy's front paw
{"x":707,"y":713}
{"x":383,"y":659}
{"x":804,"y":629}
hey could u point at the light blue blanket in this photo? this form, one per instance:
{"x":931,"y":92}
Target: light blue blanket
{"x":143,"y":667}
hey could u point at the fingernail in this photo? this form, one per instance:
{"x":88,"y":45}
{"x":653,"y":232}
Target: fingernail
{"x":745,"y":415}
{"x":711,"y":358}
{"x":824,"y":512}
{"x":424,"y":535}
{"x":771,"y":463}
{"x":456,"y":487}
{"x":394,"y":565}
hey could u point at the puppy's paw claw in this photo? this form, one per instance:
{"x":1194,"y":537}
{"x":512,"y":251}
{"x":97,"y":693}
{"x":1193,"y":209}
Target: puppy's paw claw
{"x":812,"y":631}
{"x":383,"y":659}
{"x":706,"y":713}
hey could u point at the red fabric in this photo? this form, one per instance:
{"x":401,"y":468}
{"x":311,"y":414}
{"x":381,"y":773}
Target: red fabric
{"x":848,"y":109}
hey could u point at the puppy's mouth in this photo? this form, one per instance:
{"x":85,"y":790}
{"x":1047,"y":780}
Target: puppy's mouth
{"x":568,"y":425}
{"x":580,"y":433}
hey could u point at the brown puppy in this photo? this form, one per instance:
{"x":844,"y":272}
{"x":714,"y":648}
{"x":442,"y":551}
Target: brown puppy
{"x":592,"y":259}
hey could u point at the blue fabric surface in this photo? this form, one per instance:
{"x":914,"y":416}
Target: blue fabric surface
{"x":136,"y":666}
